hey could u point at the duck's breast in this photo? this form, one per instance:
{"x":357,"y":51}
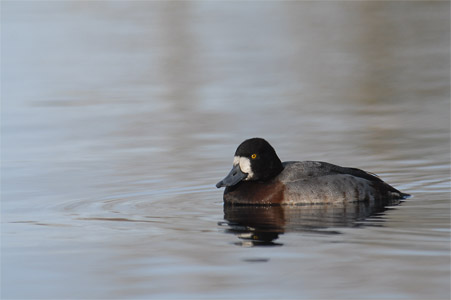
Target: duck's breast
{"x":256,"y":193}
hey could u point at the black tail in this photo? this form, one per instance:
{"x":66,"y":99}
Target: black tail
{"x":405,"y":196}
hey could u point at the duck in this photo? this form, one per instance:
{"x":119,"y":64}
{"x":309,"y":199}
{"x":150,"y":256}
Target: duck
{"x":259,"y":177}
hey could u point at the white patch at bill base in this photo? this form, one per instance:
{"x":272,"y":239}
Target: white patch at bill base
{"x":245,"y":165}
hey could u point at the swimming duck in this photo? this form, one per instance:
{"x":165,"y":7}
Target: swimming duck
{"x":258,"y":177}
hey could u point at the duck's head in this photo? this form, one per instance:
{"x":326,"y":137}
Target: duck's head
{"x":255,"y":160}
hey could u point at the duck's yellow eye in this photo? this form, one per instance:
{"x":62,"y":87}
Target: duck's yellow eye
{"x":254,"y":156}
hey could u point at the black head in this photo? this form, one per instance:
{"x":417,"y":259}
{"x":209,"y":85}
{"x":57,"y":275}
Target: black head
{"x":255,"y":160}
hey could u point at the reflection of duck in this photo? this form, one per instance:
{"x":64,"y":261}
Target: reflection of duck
{"x":258,"y":177}
{"x":255,"y":225}
{"x":261,"y":225}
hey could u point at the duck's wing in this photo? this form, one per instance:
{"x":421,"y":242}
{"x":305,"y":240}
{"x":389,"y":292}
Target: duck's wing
{"x":316,"y":170}
{"x":295,"y":170}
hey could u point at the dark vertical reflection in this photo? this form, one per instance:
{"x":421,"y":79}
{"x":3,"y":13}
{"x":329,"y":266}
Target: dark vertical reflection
{"x":262,"y":225}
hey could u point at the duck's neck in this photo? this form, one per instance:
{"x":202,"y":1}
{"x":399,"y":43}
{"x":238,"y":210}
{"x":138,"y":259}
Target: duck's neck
{"x":274,"y":169}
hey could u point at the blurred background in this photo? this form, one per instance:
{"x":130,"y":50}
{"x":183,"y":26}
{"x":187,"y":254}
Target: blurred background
{"x":118,"y":118}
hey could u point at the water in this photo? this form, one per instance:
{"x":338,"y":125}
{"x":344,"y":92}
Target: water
{"x":118,"y":118}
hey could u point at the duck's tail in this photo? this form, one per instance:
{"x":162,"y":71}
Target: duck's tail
{"x":404,"y":195}
{"x":390,"y":191}
{"x":395,"y":194}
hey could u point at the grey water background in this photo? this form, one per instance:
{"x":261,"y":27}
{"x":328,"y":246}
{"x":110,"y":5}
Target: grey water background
{"x":118,"y":118}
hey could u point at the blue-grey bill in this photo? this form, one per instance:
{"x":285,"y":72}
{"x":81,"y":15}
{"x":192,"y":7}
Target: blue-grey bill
{"x":232,"y":178}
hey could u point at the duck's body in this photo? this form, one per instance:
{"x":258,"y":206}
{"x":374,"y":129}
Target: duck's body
{"x":312,"y":182}
{"x":260,"y":178}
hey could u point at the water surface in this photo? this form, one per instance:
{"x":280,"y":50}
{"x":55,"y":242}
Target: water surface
{"x":118,"y":118}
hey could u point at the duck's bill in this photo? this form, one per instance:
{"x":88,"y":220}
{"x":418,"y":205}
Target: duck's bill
{"x":232,"y":178}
